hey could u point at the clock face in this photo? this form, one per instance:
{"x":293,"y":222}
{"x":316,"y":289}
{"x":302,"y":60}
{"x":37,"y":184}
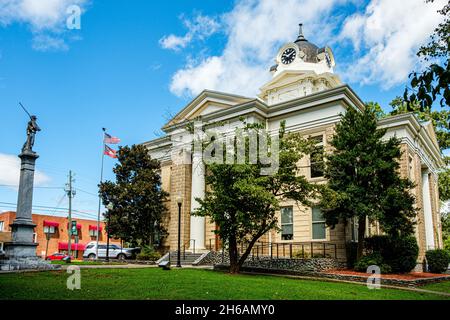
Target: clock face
{"x":288,"y":56}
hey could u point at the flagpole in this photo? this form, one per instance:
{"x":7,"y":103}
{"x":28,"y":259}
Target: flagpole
{"x":99,"y":196}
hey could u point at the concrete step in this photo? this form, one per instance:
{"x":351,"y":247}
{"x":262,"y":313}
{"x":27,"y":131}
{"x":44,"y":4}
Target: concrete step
{"x":185,"y":258}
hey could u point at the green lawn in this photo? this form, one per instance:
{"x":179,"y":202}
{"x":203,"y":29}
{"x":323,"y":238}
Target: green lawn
{"x":440,"y":286}
{"x":154,"y":283}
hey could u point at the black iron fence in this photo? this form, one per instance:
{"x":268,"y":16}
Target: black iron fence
{"x":291,"y":250}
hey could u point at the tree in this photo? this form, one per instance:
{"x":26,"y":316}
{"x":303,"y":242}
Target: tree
{"x":363,"y":178}
{"x":439,"y":118}
{"x":430,"y":84}
{"x":243,"y":203}
{"x":441,"y":123}
{"x":433,"y":82}
{"x":135,"y":200}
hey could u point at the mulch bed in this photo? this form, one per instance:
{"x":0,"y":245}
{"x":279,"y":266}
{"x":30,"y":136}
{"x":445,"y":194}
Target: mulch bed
{"x":404,"y":276}
{"x":406,"y":279}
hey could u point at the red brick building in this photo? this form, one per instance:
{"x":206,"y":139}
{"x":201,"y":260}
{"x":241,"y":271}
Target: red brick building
{"x":57,"y":227}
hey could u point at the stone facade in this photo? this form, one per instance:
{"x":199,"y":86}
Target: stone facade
{"x":301,"y":265}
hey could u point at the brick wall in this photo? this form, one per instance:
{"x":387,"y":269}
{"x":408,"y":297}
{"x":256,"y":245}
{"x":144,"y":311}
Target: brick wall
{"x":61,"y":234}
{"x":180,"y":183}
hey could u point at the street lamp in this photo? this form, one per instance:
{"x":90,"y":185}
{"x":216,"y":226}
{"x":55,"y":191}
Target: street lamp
{"x":179,"y":202}
{"x":110,"y":206}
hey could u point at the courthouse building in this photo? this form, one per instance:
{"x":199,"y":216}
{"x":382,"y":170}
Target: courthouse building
{"x":306,"y":93}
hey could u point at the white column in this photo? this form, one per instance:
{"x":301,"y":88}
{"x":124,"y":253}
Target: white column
{"x":427,"y":212}
{"x":197,"y":191}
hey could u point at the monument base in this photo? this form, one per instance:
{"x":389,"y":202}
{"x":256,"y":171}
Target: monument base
{"x":26,"y":263}
{"x":22,"y":256}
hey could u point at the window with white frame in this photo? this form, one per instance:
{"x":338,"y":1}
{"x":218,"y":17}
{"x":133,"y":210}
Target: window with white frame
{"x":93,"y":233}
{"x":318,"y":224}
{"x":287,"y":223}
{"x":2,"y":225}
{"x":49,"y":229}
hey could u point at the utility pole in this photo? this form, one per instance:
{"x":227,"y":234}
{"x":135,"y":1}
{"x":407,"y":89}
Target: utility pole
{"x":70,"y":193}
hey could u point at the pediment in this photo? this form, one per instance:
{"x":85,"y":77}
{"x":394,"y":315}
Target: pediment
{"x":205,"y":103}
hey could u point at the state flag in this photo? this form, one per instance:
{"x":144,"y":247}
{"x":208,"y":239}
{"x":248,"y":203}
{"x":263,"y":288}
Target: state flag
{"x":110,"y":152}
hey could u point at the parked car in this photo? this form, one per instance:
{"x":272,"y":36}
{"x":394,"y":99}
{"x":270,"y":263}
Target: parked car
{"x":115,"y":251}
{"x":58,"y":256}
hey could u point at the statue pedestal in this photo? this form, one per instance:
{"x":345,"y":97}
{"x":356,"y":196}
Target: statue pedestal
{"x":21,"y":251}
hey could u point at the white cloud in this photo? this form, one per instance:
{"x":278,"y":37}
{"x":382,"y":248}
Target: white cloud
{"x":45,"y":42}
{"x":255,"y":30}
{"x":46,"y":19}
{"x":199,"y":28}
{"x":390,"y":32}
{"x":10,"y":171}
{"x":385,"y":36}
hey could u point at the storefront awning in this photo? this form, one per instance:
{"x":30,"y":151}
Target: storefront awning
{"x":50,"y":224}
{"x":73,"y":246}
{"x":91,"y":227}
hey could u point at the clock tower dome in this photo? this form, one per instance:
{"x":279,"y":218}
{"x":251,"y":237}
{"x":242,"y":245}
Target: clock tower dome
{"x":301,"y":68}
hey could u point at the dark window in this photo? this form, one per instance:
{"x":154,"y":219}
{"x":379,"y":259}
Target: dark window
{"x":287,"y":223}
{"x":316,"y":158}
{"x":318,"y":225}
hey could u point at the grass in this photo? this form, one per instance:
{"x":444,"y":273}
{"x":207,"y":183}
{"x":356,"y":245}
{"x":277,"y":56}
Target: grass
{"x":155,"y":283}
{"x":439,"y":286}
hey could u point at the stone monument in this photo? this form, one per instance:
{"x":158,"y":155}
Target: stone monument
{"x":20,"y":253}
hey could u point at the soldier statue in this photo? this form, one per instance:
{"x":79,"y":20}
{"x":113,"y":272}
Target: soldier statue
{"x":32,"y":128}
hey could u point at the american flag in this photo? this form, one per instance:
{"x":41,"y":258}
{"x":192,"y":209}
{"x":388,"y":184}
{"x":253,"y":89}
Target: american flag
{"x":110,"y":139}
{"x":110,"y":152}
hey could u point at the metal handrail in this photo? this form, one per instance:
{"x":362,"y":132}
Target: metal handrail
{"x":184,"y":247}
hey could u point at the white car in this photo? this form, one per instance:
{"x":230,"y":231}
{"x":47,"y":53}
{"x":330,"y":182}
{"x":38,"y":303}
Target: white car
{"x":115,"y":251}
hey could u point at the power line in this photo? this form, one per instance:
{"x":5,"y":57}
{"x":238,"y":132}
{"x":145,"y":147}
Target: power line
{"x":49,"y":207}
{"x":38,"y":187}
{"x":87,"y":192}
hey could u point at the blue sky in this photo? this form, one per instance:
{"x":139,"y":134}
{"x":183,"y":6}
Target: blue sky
{"x":132,"y":65}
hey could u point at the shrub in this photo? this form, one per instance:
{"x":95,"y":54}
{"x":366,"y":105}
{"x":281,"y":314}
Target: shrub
{"x":352,"y":250}
{"x":437,"y":260}
{"x":400,"y":253}
{"x":370,"y":260}
{"x":300,"y":255}
{"x":148,"y":254}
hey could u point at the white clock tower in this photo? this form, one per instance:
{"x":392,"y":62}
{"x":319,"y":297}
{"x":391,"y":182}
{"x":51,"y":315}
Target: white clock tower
{"x":301,"y":69}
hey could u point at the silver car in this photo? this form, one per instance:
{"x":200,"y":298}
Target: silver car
{"x":115,"y":251}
